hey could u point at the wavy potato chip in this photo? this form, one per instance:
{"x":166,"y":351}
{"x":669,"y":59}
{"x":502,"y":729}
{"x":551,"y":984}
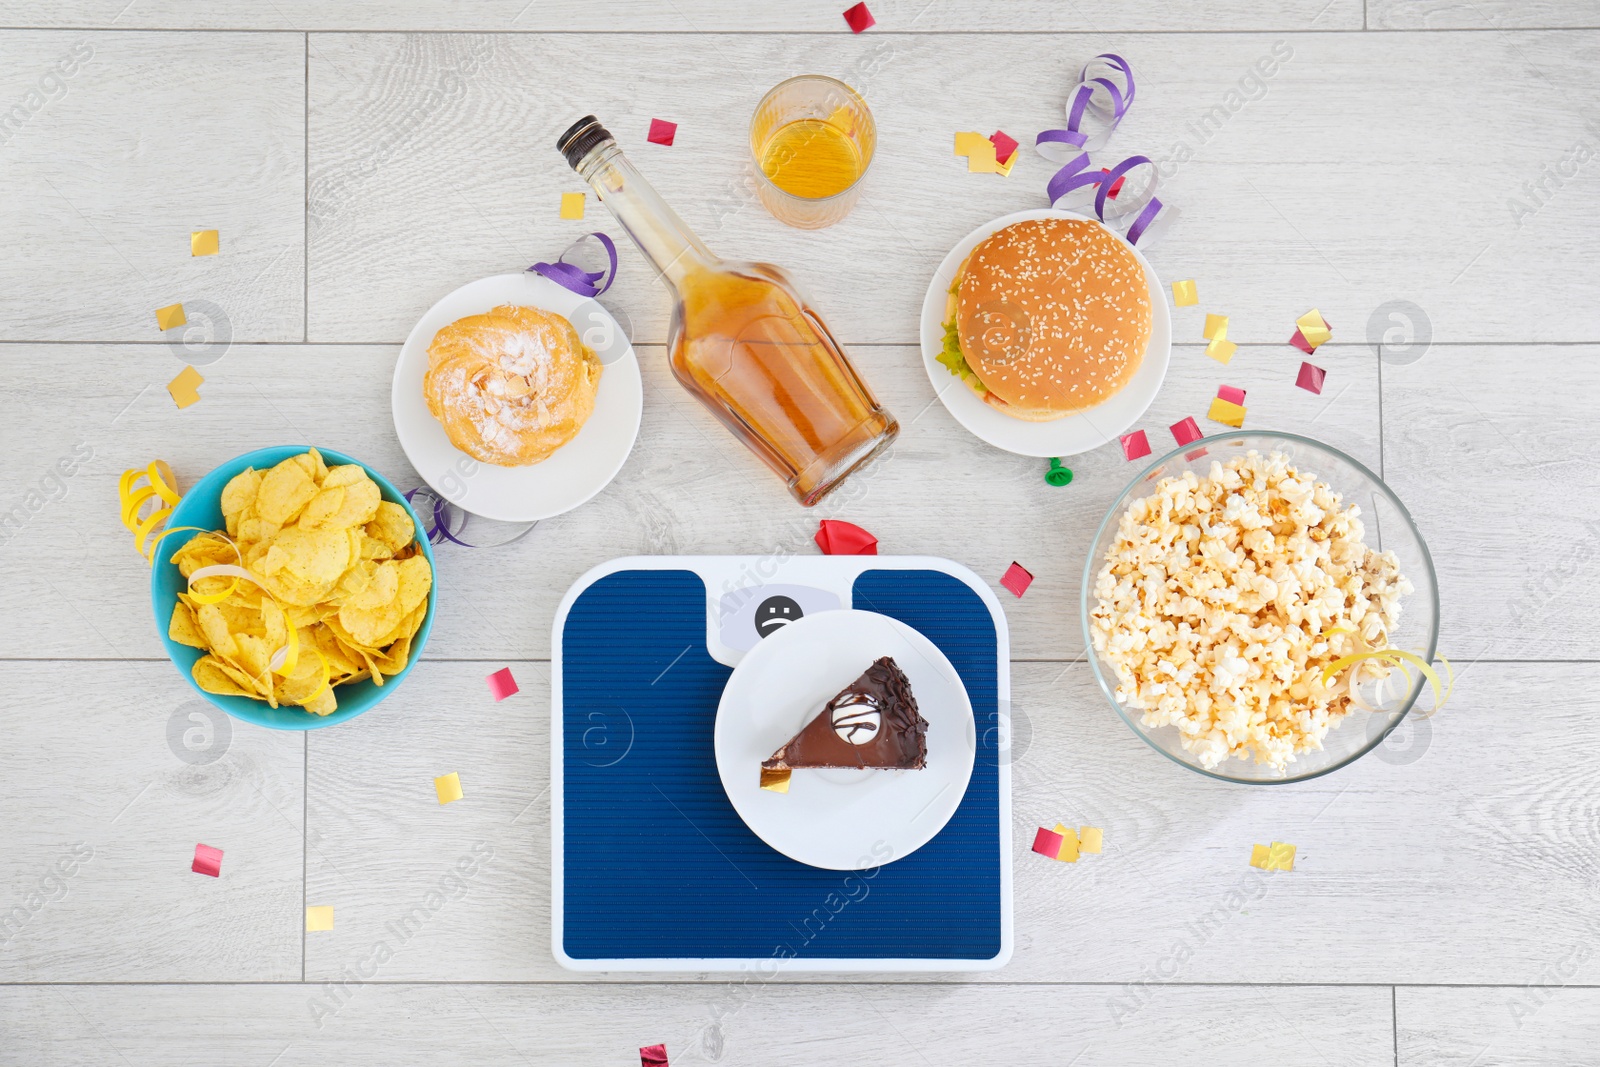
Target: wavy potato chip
{"x":391,"y":526}
{"x":285,"y":490}
{"x":184,"y":629}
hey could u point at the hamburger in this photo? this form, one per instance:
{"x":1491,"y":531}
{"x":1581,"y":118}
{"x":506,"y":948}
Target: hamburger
{"x":1047,"y":317}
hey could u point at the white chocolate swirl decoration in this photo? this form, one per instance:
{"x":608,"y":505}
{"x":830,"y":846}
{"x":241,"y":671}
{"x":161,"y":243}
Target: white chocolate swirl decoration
{"x":512,"y":386}
{"x":857,"y":719}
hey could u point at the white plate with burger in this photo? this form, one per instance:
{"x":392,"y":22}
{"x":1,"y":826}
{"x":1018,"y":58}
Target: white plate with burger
{"x":1055,"y":340}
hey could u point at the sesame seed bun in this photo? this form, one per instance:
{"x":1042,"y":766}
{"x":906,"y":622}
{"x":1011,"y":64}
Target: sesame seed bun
{"x":1053,"y":316}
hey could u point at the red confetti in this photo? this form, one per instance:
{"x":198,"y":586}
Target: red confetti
{"x":1017,"y":579}
{"x":662,"y":132}
{"x":1186,"y":431}
{"x":1116,"y":186}
{"x":1135,"y":445}
{"x":1231,"y":394}
{"x":1004,"y":146}
{"x":1047,"y":843}
{"x":1311,"y":378}
{"x":653,"y":1056}
{"x":1300,"y":342}
{"x":859,"y":18}
{"x":501,"y":684}
{"x":207,"y":860}
{"x":838,"y":538}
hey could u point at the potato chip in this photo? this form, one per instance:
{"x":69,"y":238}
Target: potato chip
{"x":359,"y":503}
{"x":213,"y":626}
{"x":372,"y":548}
{"x":323,"y":507}
{"x":392,"y":526}
{"x":209,"y":676}
{"x":317,"y":556}
{"x":183,"y":628}
{"x":285,"y":490}
{"x":347,"y":474}
{"x":383,"y":587}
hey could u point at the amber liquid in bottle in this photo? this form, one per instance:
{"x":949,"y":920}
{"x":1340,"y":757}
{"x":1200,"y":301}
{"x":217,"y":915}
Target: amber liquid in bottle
{"x":744,"y":340}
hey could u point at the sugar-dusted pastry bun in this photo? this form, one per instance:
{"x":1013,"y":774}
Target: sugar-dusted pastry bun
{"x":512,"y":386}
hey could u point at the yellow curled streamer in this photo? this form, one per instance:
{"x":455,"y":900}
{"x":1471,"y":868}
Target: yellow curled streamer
{"x":1398,"y":657}
{"x":160,"y":489}
{"x":327,"y":675}
{"x":284,"y":660}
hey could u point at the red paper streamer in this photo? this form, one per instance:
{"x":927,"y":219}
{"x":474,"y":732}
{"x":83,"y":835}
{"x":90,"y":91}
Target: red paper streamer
{"x":662,"y":132}
{"x":1135,"y":445}
{"x":1017,"y":579}
{"x":1186,"y":431}
{"x":1231,"y":394}
{"x":501,"y":684}
{"x":207,"y":860}
{"x":1311,"y":378}
{"x":653,"y":1056}
{"x":1004,"y":146}
{"x":838,"y":538}
{"x":1047,"y":843}
{"x":859,"y":18}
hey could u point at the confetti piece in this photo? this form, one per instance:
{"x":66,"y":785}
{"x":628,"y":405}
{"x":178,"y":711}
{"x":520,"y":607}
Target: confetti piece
{"x":1058,"y":475}
{"x":859,"y":19}
{"x":1184,"y":294}
{"x":319,"y":917}
{"x":1216,"y":326}
{"x":1116,"y":186}
{"x":1047,"y":843}
{"x":501,"y":684}
{"x":1004,"y":146}
{"x":1231,"y":394}
{"x":1226,"y":413}
{"x":448,"y":787}
{"x":980,"y":153}
{"x":1090,"y":839}
{"x":839,"y":538}
{"x":1186,"y":431}
{"x":1135,"y":445}
{"x":1016,"y":578}
{"x":185,"y":388}
{"x":1311,"y":378}
{"x":1282,"y":857}
{"x":207,"y":860}
{"x":775,"y":779}
{"x":662,"y":132}
{"x":1259,"y":856}
{"x":572,"y":205}
{"x":1313,"y":328}
{"x":656,"y":1055}
{"x":203,"y":243}
{"x":970,"y":142}
{"x":170,"y":316}
{"x":1300,"y":342}
{"x":1068,"y":853}
{"x":1221,"y":349}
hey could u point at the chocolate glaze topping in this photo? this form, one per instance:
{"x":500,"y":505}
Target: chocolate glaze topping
{"x":901,"y":740}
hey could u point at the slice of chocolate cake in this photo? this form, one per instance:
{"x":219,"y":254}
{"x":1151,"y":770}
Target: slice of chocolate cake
{"x":873,"y":722}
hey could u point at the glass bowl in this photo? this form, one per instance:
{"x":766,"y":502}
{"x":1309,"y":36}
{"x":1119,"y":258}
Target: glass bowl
{"x":1388,"y":528}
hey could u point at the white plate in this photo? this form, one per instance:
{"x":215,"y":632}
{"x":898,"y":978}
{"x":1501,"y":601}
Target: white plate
{"x":1064,"y":437}
{"x":842,"y":819}
{"x":576,"y":471}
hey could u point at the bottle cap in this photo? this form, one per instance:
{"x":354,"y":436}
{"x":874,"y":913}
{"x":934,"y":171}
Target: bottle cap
{"x":580,"y":139}
{"x":1057,"y":474}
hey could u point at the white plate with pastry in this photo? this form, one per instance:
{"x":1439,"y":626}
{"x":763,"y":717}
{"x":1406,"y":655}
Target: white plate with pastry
{"x":535,"y":398}
{"x":1063,"y":337}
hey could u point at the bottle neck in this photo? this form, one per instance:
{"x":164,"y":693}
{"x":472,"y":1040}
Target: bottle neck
{"x":670,"y":245}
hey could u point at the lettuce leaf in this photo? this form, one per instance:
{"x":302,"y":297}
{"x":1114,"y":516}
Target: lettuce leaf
{"x":955,"y":362}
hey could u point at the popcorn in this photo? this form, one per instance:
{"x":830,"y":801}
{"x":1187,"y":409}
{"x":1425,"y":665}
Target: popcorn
{"x":1224,"y":597}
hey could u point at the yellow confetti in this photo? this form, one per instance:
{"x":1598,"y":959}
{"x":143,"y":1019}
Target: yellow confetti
{"x":1221,"y":349}
{"x":1090,"y":839}
{"x":1314,"y":328}
{"x":980,"y":154}
{"x":1216,"y":326}
{"x":572,"y":205}
{"x":1184,"y":294}
{"x":319,"y":917}
{"x":968,"y":143}
{"x":1227,"y":414}
{"x":1260,"y":855}
{"x":1069,"y":844}
{"x":185,"y":388}
{"x":170,"y":316}
{"x":203,"y":243}
{"x":1282,"y":857}
{"x":775,"y":779}
{"x":448,"y":787}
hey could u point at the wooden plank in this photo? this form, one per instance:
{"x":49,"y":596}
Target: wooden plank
{"x":1535,"y":1024}
{"x":416,"y":188}
{"x":109,"y":168}
{"x":1493,"y":450}
{"x":721,"y":16}
{"x":689,"y":487}
{"x":1425,"y":840}
{"x":1481,"y":14}
{"x":771,"y":1024}
{"x":116,"y":772}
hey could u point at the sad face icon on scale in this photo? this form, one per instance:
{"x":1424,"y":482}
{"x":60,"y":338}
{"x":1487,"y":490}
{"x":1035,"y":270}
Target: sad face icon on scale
{"x":774,"y":613}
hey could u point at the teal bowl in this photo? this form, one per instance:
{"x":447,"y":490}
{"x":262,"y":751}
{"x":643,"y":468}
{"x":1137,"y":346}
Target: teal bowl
{"x":202,"y":506}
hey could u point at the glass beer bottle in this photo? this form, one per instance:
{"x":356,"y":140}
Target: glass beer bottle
{"x":744,"y":340}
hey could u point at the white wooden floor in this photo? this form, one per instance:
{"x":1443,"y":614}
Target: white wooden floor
{"x":362,"y":158}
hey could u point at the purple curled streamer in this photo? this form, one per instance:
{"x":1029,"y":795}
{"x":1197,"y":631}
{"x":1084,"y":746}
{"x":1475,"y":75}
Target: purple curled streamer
{"x":569,"y":276}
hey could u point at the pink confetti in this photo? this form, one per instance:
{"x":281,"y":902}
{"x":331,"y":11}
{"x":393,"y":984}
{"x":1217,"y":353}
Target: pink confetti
{"x":1017,"y":579}
{"x":653,"y":1056}
{"x":1186,"y":431}
{"x":1135,"y":445}
{"x":1004,"y":146}
{"x":1047,"y":843}
{"x":501,"y":684}
{"x":859,"y":18}
{"x":1300,"y":342}
{"x":1231,"y":394}
{"x":207,"y":860}
{"x":1311,"y":378}
{"x":662,"y":132}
